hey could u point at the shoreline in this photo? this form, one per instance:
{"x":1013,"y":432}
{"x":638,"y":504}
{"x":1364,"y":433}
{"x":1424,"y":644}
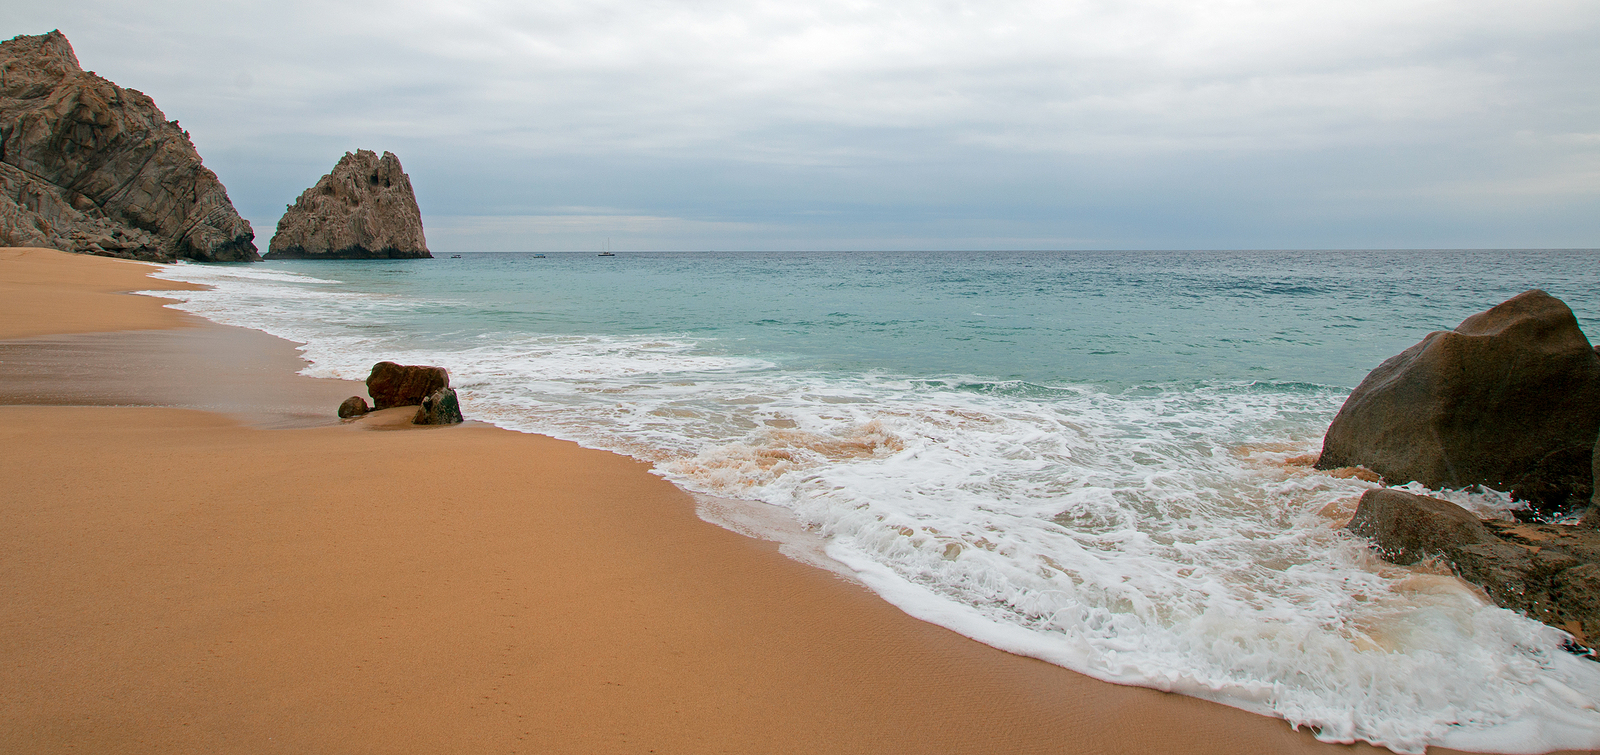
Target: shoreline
{"x":317,"y":587}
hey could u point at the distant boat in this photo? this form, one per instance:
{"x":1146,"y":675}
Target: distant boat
{"x":455,"y":256}
{"x":538,"y":256}
{"x":607,"y":252}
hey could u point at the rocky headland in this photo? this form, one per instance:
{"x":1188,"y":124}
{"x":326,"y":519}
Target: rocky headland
{"x":363,"y":209}
{"x":91,"y":167}
{"x":1509,"y":400}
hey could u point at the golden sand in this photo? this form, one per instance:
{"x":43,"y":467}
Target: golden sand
{"x":177,"y":581}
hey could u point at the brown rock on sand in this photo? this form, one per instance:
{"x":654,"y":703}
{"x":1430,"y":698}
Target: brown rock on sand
{"x":393,"y":384}
{"x":364,"y":209}
{"x":1509,"y":400}
{"x":354,"y":406}
{"x":439,"y":408}
{"x":90,"y":167}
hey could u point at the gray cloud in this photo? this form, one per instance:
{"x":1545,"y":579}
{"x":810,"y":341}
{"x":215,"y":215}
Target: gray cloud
{"x":1211,"y":123}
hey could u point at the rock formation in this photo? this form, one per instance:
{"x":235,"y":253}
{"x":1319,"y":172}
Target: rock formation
{"x":1509,"y":400}
{"x":1549,"y":572}
{"x":1407,"y":528}
{"x":404,"y":385}
{"x":364,"y":209}
{"x":439,"y":408}
{"x":88,"y":166}
{"x":1591,"y":518}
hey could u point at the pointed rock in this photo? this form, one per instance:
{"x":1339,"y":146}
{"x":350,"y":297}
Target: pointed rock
{"x":364,"y":209}
{"x":88,"y":166}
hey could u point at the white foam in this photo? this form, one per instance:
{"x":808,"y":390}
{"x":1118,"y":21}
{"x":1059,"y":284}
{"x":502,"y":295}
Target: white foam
{"x":1152,"y":537}
{"x":206,"y":274}
{"x":774,"y":524}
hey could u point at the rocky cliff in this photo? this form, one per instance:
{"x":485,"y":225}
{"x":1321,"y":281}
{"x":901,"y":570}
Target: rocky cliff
{"x":88,"y":166}
{"x":364,"y":209}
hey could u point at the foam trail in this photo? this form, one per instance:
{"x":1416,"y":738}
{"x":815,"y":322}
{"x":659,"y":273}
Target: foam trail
{"x":1153,"y":535}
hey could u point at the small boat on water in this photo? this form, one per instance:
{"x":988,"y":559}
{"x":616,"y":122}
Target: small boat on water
{"x":607,"y":252}
{"x":538,"y":256}
{"x":455,"y":256}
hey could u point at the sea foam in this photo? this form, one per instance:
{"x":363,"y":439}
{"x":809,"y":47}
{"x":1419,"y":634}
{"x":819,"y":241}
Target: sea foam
{"x":1157,"y":535}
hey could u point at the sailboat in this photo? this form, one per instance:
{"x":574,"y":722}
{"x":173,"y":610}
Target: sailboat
{"x":607,"y":252}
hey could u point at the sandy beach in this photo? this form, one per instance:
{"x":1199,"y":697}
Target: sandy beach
{"x":195,"y":558}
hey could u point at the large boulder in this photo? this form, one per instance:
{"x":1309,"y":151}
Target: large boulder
{"x":393,"y":384}
{"x":364,"y":209}
{"x":1549,"y":572}
{"x":88,"y":166}
{"x":1509,"y":400}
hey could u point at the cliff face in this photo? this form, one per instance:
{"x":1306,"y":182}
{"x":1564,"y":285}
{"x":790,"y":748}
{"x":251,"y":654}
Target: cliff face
{"x":88,"y":166}
{"x":364,"y":209}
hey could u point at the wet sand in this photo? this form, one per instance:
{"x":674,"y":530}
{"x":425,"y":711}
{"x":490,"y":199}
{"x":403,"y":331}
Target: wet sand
{"x":175,"y":580}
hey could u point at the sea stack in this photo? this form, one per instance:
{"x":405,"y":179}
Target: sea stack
{"x":90,"y":167}
{"x":363,"y":210}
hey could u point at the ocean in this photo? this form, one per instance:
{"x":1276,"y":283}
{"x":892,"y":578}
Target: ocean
{"x":1085,"y":457}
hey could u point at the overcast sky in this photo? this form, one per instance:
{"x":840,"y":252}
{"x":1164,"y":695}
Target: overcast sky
{"x":860,"y":124}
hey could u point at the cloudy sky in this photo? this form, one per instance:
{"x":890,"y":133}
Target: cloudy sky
{"x":866,"y":124}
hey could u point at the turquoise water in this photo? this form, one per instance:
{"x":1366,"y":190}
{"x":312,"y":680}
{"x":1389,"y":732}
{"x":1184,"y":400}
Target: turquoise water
{"x":1110,"y":318}
{"x":1082,"y":456}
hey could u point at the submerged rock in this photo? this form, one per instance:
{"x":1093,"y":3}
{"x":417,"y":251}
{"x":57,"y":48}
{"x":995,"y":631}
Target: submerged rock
{"x":354,"y":406}
{"x":1548,"y":572}
{"x":393,"y":384}
{"x":364,"y":209}
{"x":90,"y":167}
{"x":1407,"y":528}
{"x":1509,"y":400}
{"x":439,"y":408}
